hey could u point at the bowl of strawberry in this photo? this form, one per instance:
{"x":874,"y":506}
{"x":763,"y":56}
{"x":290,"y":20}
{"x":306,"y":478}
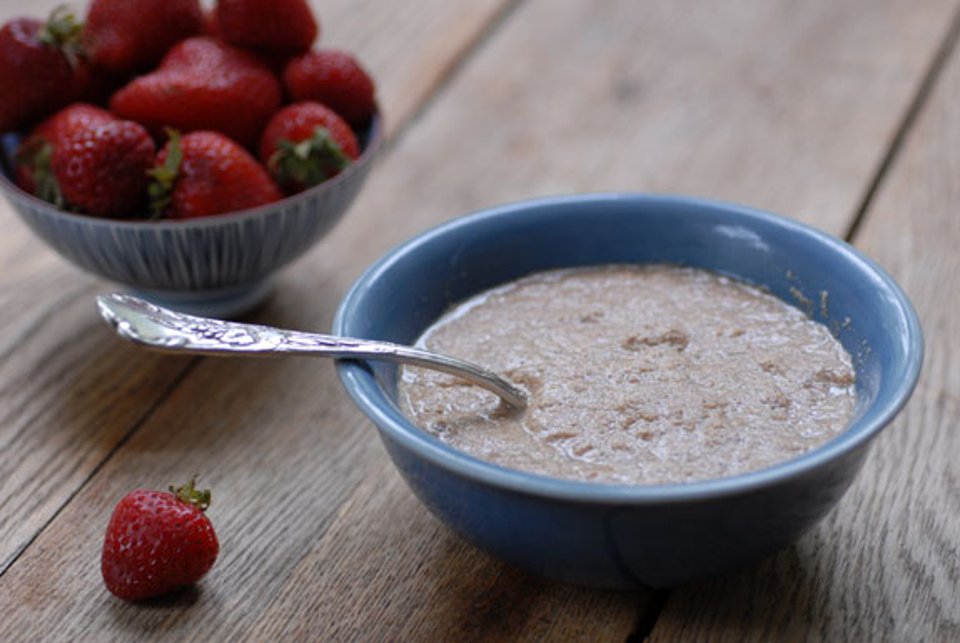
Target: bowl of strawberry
{"x":188,"y":157}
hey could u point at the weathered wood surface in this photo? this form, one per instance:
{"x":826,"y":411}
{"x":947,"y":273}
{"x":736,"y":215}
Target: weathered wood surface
{"x":788,"y":106}
{"x":886,"y":565}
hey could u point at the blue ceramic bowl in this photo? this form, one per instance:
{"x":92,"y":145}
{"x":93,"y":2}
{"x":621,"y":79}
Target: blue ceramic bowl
{"x":615,"y":535}
{"x":219,"y":265}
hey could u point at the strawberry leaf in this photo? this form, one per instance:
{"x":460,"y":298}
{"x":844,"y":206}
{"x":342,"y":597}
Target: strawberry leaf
{"x":189,"y":493}
{"x":309,"y":162}
{"x":160,"y":190}
{"x":36,"y":156}
{"x":63,"y":31}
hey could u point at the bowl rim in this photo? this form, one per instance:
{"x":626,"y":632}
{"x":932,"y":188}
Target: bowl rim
{"x":374,"y":138}
{"x":366,"y":393}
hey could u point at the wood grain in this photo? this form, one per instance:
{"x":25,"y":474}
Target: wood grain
{"x":787,"y":106}
{"x":886,"y":565}
{"x":69,"y":392}
{"x":784,"y":105}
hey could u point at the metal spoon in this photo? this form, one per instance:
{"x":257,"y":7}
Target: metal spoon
{"x":164,"y":330}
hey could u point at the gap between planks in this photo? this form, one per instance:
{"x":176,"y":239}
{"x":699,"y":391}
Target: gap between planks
{"x":451,"y":70}
{"x":174,"y":385}
{"x":927,"y":83}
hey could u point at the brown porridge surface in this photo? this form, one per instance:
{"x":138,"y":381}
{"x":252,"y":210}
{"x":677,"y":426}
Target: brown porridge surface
{"x":637,"y":375}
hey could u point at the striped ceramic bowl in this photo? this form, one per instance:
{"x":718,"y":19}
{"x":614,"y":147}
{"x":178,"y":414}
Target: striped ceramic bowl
{"x":219,"y":265}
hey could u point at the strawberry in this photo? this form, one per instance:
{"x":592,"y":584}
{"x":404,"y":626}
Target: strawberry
{"x":102,"y":169}
{"x":32,"y":160}
{"x":210,"y":27}
{"x":41,"y":68}
{"x":158,"y":541}
{"x":203,"y":84}
{"x":334,"y":78}
{"x":69,"y":119}
{"x":305,"y":144}
{"x":284,"y":25}
{"x":125,"y":36}
{"x":205,"y":173}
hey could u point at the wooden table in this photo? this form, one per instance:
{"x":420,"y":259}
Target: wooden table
{"x":844,"y":114}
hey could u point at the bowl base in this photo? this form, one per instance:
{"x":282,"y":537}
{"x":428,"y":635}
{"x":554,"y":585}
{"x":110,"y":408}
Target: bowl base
{"x":222,"y":303}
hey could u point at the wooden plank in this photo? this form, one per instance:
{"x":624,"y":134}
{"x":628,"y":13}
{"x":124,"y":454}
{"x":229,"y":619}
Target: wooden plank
{"x":886,"y":565}
{"x":786,"y":106}
{"x":481,"y":597}
{"x":320,"y":539}
{"x":409,"y":47}
{"x":61,"y":409}
{"x":68,"y":392}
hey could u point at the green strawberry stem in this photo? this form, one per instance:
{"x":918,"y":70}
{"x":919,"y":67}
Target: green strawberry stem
{"x":189,"y":493}
{"x":309,"y":162}
{"x":63,"y":32}
{"x":164,"y":176}
{"x":36,"y":155}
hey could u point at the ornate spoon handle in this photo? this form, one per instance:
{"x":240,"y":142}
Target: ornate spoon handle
{"x":164,"y":330}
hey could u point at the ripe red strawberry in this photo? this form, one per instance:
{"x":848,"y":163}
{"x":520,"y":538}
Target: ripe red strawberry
{"x":203,"y":84}
{"x":285,"y":25}
{"x":34,"y":155}
{"x":41,"y":68}
{"x":305,"y":144}
{"x":210,"y":26}
{"x":205,"y":173}
{"x":129,"y":35}
{"x":158,"y":541}
{"x":69,"y":119}
{"x":334,"y":78}
{"x":102,"y":170}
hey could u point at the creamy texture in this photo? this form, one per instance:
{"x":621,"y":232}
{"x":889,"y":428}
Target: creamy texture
{"x":637,"y":375}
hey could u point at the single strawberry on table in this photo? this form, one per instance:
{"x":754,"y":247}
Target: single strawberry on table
{"x":334,"y":78}
{"x":276,"y":25}
{"x":203,"y":84}
{"x":125,"y":36}
{"x":205,"y":173}
{"x":158,"y":541}
{"x":305,"y":144}
{"x":41,"y":68}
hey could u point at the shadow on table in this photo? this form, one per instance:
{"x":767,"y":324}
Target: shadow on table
{"x":777,"y":599}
